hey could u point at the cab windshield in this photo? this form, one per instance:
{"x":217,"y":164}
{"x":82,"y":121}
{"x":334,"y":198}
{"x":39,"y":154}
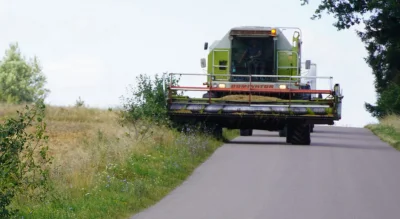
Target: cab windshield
{"x":253,"y":56}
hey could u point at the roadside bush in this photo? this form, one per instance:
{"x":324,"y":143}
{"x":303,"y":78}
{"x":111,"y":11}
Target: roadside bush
{"x":23,"y":158}
{"x":146,"y":109}
{"x":147,"y":105}
{"x":388,"y":102}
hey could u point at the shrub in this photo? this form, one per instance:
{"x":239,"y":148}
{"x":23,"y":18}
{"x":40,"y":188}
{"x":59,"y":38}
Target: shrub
{"x":148,"y":104}
{"x":388,"y":102}
{"x":23,"y":158}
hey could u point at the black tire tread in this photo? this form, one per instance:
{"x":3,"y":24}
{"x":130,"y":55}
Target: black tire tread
{"x":283,"y":132}
{"x":300,"y":134}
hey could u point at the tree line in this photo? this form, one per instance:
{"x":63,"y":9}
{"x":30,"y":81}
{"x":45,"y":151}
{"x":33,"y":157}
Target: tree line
{"x":381,"y":37}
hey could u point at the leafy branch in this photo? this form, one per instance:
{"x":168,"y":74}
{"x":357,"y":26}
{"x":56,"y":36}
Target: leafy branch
{"x":23,"y":158}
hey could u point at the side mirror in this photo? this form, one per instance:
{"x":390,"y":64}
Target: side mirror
{"x":308,"y":64}
{"x":205,"y":46}
{"x":203,"y":63}
{"x":337,"y":90}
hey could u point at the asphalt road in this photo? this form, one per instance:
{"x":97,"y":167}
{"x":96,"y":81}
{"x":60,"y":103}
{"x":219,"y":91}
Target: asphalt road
{"x":345,"y":173}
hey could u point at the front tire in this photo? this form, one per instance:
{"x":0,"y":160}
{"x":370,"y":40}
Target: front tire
{"x":299,"y":134}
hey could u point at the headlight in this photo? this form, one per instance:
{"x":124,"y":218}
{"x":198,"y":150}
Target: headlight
{"x":282,"y":86}
{"x":221,"y":85}
{"x":215,"y":85}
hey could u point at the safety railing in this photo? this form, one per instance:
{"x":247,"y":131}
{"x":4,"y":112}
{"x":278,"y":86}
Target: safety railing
{"x":250,"y":86}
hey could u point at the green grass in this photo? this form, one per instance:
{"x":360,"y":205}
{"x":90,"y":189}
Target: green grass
{"x":388,"y":130}
{"x":102,"y":170}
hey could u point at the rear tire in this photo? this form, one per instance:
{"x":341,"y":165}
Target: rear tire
{"x":283,"y":132}
{"x":211,"y":95}
{"x":289,"y":133}
{"x":246,"y":132}
{"x":218,"y":132}
{"x":299,"y":134}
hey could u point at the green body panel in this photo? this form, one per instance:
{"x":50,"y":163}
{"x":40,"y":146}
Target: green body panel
{"x":218,"y":57}
{"x":288,"y":61}
{"x":296,"y":47}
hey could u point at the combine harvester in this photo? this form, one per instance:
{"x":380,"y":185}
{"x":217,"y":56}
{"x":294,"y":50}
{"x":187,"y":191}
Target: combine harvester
{"x":254,"y":81}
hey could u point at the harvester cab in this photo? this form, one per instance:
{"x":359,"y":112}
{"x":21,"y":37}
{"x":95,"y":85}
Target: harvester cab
{"x":254,"y":80}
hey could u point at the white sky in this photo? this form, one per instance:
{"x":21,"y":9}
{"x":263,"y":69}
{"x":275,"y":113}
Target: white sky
{"x":96,"y":48}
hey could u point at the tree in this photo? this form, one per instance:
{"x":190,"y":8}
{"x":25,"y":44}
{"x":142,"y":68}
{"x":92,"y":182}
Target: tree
{"x":21,"y":81}
{"x":381,"y":37}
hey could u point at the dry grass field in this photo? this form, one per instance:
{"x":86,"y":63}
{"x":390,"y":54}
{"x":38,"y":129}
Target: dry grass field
{"x":102,"y":169}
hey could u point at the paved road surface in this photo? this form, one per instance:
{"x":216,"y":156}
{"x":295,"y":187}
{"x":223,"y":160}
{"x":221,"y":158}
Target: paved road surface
{"x":345,"y":173}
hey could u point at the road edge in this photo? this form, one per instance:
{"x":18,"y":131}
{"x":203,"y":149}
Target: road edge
{"x":386,"y":133}
{"x":228,"y":135}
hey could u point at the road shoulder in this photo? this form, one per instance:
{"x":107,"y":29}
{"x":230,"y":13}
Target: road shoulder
{"x":388,"y":130}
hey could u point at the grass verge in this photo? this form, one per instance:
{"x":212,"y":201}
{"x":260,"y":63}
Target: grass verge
{"x":104,"y":170}
{"x":388,"y":130}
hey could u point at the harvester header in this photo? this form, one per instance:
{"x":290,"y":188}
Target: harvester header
{"x":255,"y":80}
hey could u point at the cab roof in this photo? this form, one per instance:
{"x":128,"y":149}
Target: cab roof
{"x":252,"y":28}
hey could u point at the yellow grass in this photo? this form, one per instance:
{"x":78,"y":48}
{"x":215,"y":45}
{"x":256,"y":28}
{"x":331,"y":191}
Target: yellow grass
{"x":82,"y":141}
{"x":388,"y":130}
{"x":85,"y":143}
{"x":391,"y":120}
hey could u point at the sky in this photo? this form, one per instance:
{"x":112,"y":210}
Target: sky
{"x":94,"y":49}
